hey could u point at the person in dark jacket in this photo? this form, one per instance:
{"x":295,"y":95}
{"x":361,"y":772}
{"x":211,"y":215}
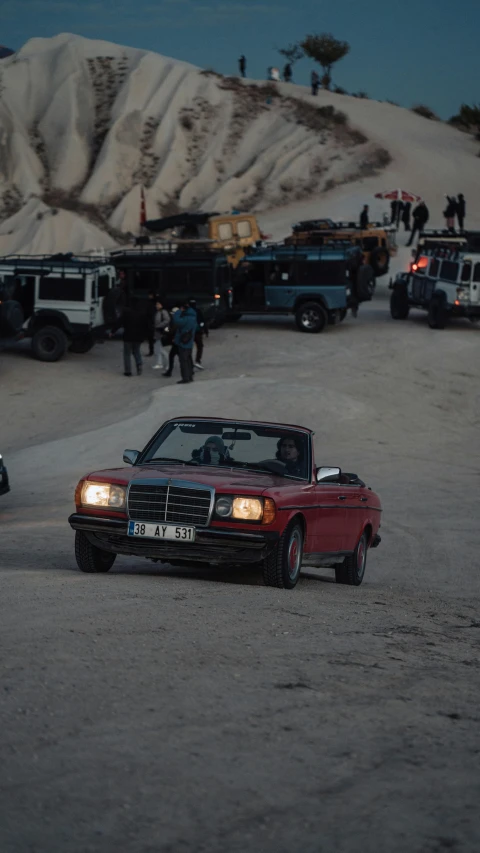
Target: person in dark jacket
{"x":461,"y":211}
{"x":135,"y":330}
{"x":151,"y":312}
{"x":450,"y":212}
{"x":202,"y":329}
{"x":364,"y":217}
{"x":185,"y":322}
{"x":393,"y":209}
{"x":315,"y":81}
{"x":406,"y":215}
{"x":287,"y":73}
{"x":242,"y":65}
{"x":421,"y":216}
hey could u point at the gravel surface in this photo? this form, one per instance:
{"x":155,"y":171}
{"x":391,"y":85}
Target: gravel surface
{"x":157,"y":710}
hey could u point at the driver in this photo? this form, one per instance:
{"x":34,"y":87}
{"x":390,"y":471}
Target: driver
{"x":290,"y":452}
{"x":213,"y":451}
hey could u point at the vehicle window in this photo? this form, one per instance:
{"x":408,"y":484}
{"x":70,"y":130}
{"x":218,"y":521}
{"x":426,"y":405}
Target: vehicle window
{"x":321,"y":273}
{"x":466,"y":273}
{"x":103,"y":285}
{"x":281,"y":451}
{"x":282,"y":273}
{"x":244,"y":229}
{"x":7,"y":286}
{"x":225,"y":231}
{"x":476,"y":273}
{"x":53,"y":288}
{"x":434,"y":267}
{"x":449,"y":270}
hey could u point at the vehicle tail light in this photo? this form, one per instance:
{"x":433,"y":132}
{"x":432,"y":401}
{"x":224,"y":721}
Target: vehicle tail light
{"x":414,"y":267}
{"x":457,"y":302}
{"x":269,"y":511}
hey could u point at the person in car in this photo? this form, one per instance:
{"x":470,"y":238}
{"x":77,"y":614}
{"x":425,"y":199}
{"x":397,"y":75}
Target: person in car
{"x":213,"y":452}
{"x":290,"y":452}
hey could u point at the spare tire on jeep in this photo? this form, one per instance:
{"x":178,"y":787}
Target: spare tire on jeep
{"x":11,"y":318}
{"x":365,"y":283}
{"x":380,"y":260}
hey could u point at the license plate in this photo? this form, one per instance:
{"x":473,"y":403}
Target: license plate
{"x":173,"y":532}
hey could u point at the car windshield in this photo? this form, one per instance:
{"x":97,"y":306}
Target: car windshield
{"x":273,"y":449}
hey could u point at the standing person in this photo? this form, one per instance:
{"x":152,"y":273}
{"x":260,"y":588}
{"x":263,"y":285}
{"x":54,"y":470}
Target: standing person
{"x":421,"y":216}
{"x":242,"y":64}
{"x":406,"y":215}
{"x":168,"y":340}
{"x":202,"y":329}
{"x":461,"y":211}
{"x":151,"y":312}
{"x":135,"y":331}
{"x":315,"y":79}
{"x":162,"y":319}
{"x":393,"y":208}
{"x":364,"y":217}
{"x":186,"y":325}
{"x":450,"y":211}
{"x":287,"y":73}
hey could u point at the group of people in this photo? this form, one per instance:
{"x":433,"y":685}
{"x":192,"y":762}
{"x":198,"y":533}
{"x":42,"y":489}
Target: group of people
{"x":272,"y":72}
{"x":402,"y":212}
{"x":181,"y":330}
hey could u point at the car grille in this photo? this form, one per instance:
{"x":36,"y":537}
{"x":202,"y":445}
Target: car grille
{"x":172,"y":504}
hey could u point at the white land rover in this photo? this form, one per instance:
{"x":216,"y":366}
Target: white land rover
{"x":59,"y":302}
{"x":443,"y":281}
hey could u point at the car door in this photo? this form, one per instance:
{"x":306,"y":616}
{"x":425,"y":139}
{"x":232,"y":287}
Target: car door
{"x":329,"y":517}
{"x":280,"y":284}
{"x":356,"y":512}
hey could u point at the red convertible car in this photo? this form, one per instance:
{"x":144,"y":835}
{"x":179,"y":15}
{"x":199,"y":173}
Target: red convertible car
{"x":226,"y":492}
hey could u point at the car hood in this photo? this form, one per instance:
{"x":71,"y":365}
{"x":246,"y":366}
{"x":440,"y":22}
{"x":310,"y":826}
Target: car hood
{"x":223,"y":479}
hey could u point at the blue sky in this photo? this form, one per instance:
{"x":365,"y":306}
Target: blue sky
{"x":409,"y":51}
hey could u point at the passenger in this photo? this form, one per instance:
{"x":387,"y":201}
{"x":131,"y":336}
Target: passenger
{"x":461,"y":211}
{"x":290,"y":452}
{"x":213,"y":452}
{"x":450,"y":212}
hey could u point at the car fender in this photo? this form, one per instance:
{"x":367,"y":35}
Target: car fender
{"x":49,"y":317}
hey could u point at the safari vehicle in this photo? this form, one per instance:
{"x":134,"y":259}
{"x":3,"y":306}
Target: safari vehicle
{"x":58,"y":301}
{"x":232,"y":233}
{"x":202,"y":274}
{"x":222,"y":492}
{"x":315,"y":284}
{"x":377,"y":242}
{"x":443,"y":281}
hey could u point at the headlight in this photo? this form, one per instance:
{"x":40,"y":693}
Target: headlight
{"x":463,"y":294}
{"x":103,"y":494}
{"x":248,"y":509}
{"x":223,"y":507}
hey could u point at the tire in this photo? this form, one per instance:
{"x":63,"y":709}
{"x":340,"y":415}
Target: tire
{"x":380,"y":261}
{"x":11,"y":317}
{"x":352,"y":570}
{"x":49,"y":343}
{"x":90,"y":558}
{"x":311,"y":317}
{"x":83,"y":343}
{"x":365,"y":283}
{"x":282,"y":567}
{"x":437,"y":313}
{"x":399,"y":307}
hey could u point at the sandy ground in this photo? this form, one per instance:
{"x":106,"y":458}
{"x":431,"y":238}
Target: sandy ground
{"x":154,"y":710}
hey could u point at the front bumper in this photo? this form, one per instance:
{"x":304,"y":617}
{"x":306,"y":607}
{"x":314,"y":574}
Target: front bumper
{"x":211,"y":545}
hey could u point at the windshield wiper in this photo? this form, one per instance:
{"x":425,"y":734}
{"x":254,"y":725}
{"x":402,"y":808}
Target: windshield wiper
{"x":170,"y":459}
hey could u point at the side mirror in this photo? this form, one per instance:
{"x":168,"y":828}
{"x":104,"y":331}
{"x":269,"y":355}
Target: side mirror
{"x":130,"y":456}
{"x":328,"y":475}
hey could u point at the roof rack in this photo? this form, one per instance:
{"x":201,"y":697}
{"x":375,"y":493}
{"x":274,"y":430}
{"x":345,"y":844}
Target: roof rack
{"x":330,"y":225}
{"x":64,"y":261}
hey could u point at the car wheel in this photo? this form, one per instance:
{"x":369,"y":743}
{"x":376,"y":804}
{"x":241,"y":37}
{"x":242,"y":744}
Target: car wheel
{"x":352,"y":570}
{"x":82,"y":344}
{"x":282,"y":567}
{"x":311,"y":317}
{"x":399,"y":307}
{"x":90,"y":558}
{"x":437,"y":313}
{"x":49,"y":343}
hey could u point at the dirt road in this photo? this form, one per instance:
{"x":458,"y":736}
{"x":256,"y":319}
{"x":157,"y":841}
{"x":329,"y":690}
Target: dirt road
{"x":161,"y":711}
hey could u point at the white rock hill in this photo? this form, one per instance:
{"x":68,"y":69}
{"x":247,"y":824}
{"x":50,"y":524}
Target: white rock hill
{"x":84,"y":124}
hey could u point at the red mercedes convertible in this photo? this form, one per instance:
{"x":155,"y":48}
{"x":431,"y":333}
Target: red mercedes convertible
{"x":225,"y":492}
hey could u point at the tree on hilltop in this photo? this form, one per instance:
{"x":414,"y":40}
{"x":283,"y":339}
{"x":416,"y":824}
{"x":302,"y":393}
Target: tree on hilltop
{"x":292,"y":53}
{"x":325,"y":49}
{"x":468,"y":118}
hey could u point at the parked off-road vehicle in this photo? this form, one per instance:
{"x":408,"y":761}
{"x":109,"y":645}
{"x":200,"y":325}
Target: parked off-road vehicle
{"x":60,"y":302}
{"x":377,"y":242}
{"x":203,"y":274}
{"x":445,"y":282}
{"x":235,"y":234}
{"x":315,"y":284}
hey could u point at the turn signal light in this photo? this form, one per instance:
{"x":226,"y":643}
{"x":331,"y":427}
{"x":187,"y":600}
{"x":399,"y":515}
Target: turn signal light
{"x":268,"y":511}
{"x":78,"y":493}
